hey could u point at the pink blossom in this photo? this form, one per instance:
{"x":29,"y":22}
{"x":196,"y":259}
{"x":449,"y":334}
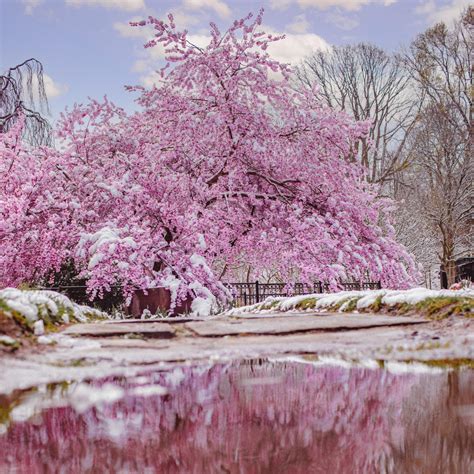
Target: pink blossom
{"x":223,"y":148}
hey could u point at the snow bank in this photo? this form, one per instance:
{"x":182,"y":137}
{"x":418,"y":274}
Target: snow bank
{"x":355,"y":301}
{"x":44,"y":306}
{"x":205,"y":303}
{"x":7,"y":341}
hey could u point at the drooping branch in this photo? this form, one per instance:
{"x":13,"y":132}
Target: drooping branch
{"x":22,"y":92}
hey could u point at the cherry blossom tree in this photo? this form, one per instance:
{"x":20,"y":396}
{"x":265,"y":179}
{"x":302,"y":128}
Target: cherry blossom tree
{"x":224,"y":163}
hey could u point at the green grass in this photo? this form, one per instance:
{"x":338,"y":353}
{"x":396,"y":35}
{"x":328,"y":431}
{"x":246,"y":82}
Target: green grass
{"x":443,"y":307}
{"x":434,"y":308}
{"x":307,"y":303}
{"x":377,"y":305}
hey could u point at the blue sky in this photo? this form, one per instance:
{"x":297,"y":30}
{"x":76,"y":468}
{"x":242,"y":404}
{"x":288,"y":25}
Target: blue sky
{"x":88,"y":49}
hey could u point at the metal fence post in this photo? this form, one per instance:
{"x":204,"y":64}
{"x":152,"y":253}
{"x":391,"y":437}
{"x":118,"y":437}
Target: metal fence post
{"x":257,"y":293}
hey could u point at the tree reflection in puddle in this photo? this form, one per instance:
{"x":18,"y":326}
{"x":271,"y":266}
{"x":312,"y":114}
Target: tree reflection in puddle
{"x":247,"y":417}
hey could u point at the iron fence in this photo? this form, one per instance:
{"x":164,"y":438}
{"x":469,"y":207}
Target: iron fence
{"x":256,"y":292}
{"x":244,"y":293}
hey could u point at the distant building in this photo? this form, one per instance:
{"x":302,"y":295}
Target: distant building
{"x":464,"y":271}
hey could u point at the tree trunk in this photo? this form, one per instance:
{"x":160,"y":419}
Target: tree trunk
{"x":450,"y":268}
{"x":449,"y":264}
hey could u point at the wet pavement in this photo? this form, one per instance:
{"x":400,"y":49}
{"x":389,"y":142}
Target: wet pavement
{"x":286,"y":415}
{"x":285,"y":393}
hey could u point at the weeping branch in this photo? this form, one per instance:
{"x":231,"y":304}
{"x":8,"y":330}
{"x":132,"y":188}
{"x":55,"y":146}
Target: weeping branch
{"x":22,"y":92}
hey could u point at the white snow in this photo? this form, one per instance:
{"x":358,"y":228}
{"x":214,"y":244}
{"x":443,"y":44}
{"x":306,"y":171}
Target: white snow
{"x":95,"y":260}
{"x":364,"y":299}
{"x":205,"y":302}
{"x":369,"y":299}
{"x":7,"y":340}
{"x":110,"y":188}
{"x":104,"y":242}
{"x":175,"y":377}
{"x":416,"y":295}
{"x":411,"y":368}
{"x":200,"y":261}
{"x":327,"y":300}
{"x":292,"y":302}
{"x":36,"y":305}
{"x":45,"y":340}
{"x":38,"y":328}
{"x":173,"y":284}
{"x":201,"y":306}
{"x":202,"y":242}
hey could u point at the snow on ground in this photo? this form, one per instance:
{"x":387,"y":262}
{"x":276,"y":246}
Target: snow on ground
{"x":354,"y":301}
{"x":40,"y":306}
{"x":7,"y":340}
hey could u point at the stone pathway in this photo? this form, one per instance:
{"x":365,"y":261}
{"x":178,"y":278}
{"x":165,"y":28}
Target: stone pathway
{"x":283,"y":324}
{"x":126,"y":347}
{"x":154,"y":329}
{"x":277,"y":325}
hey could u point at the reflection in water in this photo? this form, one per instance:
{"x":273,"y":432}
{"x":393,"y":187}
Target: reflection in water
{"x":247,"y":417}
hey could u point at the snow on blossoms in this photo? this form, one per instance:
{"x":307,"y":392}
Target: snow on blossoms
{"x":224,"y":163}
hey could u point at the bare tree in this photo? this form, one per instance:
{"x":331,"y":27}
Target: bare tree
{"x":439,"y":185}
{"x":22,"y":91}
{"x":369,"y":84}
{"x":441,"y":62}
{"x":417,"y":235}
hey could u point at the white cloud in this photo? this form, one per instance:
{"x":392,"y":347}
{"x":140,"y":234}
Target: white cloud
{"x":446,"y":12}
{"x":295,"y":47}
{"x":30,"y":5}
{"x":220,"y":7}
{"x":350,"y":5}
{"x":426,"y":8}
{"x":183,"y":19}
{"x":342,"y":21}
{"x":299,"y":24}
{"x":150,"y":79}
{"x":127,"y":5}
{"x":152,"y":59}
{"x":292,"y":49}
{"x":298,"y":43}
{"x":53,"y":89}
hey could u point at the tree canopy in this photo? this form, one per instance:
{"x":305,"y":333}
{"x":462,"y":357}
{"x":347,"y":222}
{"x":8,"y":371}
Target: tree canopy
{"x":224,"y":162}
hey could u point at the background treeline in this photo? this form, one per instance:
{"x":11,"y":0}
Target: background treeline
{"x":420,"y":101}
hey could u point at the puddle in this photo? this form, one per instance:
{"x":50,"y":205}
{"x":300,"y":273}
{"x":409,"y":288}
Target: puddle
{"x":256,"y":416}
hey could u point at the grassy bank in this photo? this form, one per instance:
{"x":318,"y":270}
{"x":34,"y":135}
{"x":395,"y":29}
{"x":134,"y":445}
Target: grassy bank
{"x":26,"y":315}
{"x":433,"y":304}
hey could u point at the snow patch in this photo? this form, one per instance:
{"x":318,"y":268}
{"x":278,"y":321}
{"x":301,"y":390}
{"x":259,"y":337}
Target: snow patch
{"x":38,"y":328}
{"x":205,"y":303}
{"x":7,"y":340}
{"x":342,"y":300}
{"x":38,"y":305}
{"x":202,"y":242}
